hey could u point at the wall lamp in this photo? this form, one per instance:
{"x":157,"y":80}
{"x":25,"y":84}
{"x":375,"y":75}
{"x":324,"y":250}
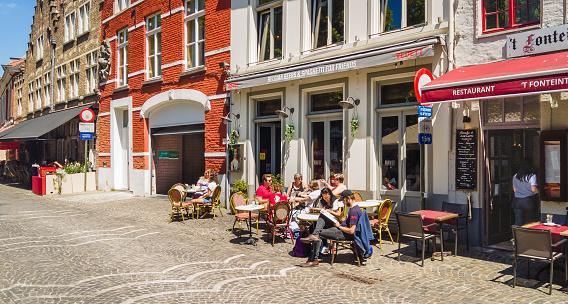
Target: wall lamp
{"x":465,"y":114}
{"x":224,"y":65}
{"x":282,"y":113}
{"x":227,"y":119}
{"x":349,"y":104}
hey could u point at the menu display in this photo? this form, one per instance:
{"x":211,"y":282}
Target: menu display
{"x":466,"y":159}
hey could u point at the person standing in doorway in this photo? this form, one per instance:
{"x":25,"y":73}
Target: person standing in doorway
{"x":526,"y":190}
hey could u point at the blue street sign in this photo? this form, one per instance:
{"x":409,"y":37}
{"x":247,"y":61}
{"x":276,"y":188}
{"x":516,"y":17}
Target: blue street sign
{"x":425,"y":139}
{"x":86,"y":136}
{"x":424,"y":111}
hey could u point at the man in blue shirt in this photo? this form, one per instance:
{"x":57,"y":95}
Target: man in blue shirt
{"x":340,"y":232}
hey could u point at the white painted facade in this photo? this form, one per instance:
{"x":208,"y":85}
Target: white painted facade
{"x":362,"y":157}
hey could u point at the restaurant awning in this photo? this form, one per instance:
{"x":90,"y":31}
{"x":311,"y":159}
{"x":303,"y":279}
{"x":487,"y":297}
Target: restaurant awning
{"x":345,"y":62}
{"x":532,"y":75}
{"x":36,"y":127}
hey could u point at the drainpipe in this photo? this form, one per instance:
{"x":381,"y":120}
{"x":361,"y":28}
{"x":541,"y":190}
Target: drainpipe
{"x":53,"y":43}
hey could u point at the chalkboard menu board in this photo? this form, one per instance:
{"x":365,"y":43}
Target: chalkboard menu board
{"x":466,"y":159}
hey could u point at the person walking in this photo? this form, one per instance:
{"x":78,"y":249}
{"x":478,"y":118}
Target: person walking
{"x":526,"y":190}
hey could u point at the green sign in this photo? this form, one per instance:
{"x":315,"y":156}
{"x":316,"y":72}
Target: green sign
{"x":168,"y":154}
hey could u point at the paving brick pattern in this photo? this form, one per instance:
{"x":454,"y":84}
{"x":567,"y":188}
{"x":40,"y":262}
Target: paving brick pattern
{"x":123,"y":250}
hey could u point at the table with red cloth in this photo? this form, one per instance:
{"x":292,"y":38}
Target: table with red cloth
{"x":555,"y":232}
{"x":438,"y":217}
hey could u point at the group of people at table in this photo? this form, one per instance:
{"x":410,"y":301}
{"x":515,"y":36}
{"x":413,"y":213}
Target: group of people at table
{"x":303,"y":198}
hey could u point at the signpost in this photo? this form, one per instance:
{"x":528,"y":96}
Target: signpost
{"x":422,"y":77}
{"x":86,"y":130}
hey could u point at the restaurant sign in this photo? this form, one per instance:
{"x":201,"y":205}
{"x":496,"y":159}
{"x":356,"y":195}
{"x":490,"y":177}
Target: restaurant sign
{"x":538,"y":41}
{"x":168,"y":155}
{"x":335,"y":67}
{"x":497,"y":89}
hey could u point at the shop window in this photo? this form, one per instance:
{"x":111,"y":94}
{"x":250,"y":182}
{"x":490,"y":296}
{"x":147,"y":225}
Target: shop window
{"x":195,"y":33}
{"x":397,"y":94}
{"x":513,"y":110}
{"x":397,"y":14}
{"x":123,"y":57}
{"x":267,"y":107}
{"x":506,"y":14}
{"x":328,"y":101}
{"x":328,"y":22}
{"x":269,"y":30}
{"x":553,"y":174}
{"x":327,"y":148}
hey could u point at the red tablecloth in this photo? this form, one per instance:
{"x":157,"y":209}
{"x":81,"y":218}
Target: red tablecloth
{"x":429,"y":217}
{"x":555,"y":233}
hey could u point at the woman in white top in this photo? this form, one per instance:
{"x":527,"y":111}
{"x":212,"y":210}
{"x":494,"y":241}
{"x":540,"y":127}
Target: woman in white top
{"x":339,"y":185}
{"x":206,"y":197}
{"x":526,"y":190}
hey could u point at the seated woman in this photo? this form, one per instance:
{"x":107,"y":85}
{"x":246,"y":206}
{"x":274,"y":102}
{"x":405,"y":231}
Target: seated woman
{"x":206,"y":198}
{"x":297,"y":187}
{"x":339,"y":185}
{"x":203,"y":182}
{"x":309,"y":200}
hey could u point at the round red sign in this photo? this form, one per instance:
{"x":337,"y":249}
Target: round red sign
{"x":87,"y":115}
{"x":423,"y":76}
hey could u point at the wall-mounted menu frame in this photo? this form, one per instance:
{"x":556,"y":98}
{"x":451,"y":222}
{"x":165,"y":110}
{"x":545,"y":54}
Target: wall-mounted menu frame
{"x":466,"y":159}
{"x":552,"y":172}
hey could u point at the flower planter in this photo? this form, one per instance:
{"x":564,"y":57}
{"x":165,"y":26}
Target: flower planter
{"x":78,"y":181}
{"x":51,"y":185}
{"x":91,"y":181}
{"x":66,"y":184}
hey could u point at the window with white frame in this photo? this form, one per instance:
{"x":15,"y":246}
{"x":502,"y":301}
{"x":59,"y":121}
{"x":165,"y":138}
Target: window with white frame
{"x":84,"y":18}
{"x":61,"y":73}
{"x":39,"y":47}
{"x":154,"y":45}
{"x":269,"y":21}
{"x":91,"y":72}
{"x":397,"y":14}
{"x":195,"y":33}
{"x":31,"y":96}
{"x":74,"y":78}
{"x":120,"y":5}
{"x":20,"y":101}
{"x":328,"y":22}
{"x":38,"y":91}
{"x":69,"y":31}
{"x":123,"y":57}
{"x":47,"y":88}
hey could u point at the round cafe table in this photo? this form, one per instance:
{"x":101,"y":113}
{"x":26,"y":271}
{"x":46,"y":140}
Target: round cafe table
{"x":309,"y":217}
{"x":370,"y":203}
{"x":250,"y":208}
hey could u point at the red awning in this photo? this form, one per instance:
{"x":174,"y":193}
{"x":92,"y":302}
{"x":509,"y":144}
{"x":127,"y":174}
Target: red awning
{"x":532,"y":75}
{"x":9,"y":145}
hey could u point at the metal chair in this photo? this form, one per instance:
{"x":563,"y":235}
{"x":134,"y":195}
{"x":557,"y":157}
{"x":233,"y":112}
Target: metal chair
{"x":381,"y":223}
{"x":410,"y":226}
{"x":462,"y":210}
{"x":536,"y":244}
{"x":238,"y":199}
{"x":278,"y":219}
{"x":176,"y":198}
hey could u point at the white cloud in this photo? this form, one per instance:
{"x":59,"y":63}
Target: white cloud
{"x":8,"y":5}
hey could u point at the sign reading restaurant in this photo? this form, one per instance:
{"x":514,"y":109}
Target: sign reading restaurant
{"x":538,"y":41}
{"x":334,"y":65}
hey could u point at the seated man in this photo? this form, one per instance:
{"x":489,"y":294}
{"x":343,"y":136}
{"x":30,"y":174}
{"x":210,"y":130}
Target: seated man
{"x":340,"y":232}
{"x":264,"y":191}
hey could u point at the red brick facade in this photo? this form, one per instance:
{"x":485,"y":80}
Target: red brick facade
{"x":208,"y":80}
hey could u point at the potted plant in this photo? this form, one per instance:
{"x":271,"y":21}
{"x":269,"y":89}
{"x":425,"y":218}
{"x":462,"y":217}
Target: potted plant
{"x":354,"y":123}
{"x":289,"y":132}
{"x":233,"y":137}
{"x":239,"y":186}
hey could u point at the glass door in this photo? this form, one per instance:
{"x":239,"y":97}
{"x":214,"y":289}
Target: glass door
{"x":269,"y":154}
{"x":327,"y":148}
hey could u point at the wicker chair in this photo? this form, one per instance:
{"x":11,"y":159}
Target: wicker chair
{"x":278,"y":220}
{"x":358,"y":196}
{"x":536,"y":244}
{"x":176,"y":198}
{"x":381,"y":223}
{"x":238,"y":199}
{"x":216,"y":201}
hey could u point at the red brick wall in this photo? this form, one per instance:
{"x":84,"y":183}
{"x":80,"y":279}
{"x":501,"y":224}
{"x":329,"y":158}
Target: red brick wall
{"x":209,"y":82}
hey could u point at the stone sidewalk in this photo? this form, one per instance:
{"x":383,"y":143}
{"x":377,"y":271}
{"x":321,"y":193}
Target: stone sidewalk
{"x":112,"y":247}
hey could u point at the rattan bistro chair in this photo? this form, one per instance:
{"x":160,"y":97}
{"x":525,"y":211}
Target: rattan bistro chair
{"x":178,"y":205}
{"x":238,"y":199}
{"x":278,"y":221}
{"x":358,"y":196}
{"x":410,"y":227}
{"x":381,"y":223}
{"x":536,"y":244}
{"x":216,"y":200}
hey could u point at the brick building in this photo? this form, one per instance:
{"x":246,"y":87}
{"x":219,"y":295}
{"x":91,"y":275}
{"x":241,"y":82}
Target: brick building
{"x":10,"y":92}
{"x":161,"y":106}
{"x":60,"y":75}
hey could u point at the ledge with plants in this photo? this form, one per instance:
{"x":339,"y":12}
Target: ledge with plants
{"x":71,"y":179}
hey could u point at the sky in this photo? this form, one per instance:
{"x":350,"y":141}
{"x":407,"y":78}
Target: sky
{"x":16,"y":17}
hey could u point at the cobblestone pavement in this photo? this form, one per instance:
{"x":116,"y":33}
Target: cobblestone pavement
{"x":114,"y":248}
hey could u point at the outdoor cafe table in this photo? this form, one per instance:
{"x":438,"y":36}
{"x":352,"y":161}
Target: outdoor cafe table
{"x":250,"y":209}
{"x":309,"y":217}
{"x":370,"y":203}
{"x":555,"y":232}
{"x":438,"y":217}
